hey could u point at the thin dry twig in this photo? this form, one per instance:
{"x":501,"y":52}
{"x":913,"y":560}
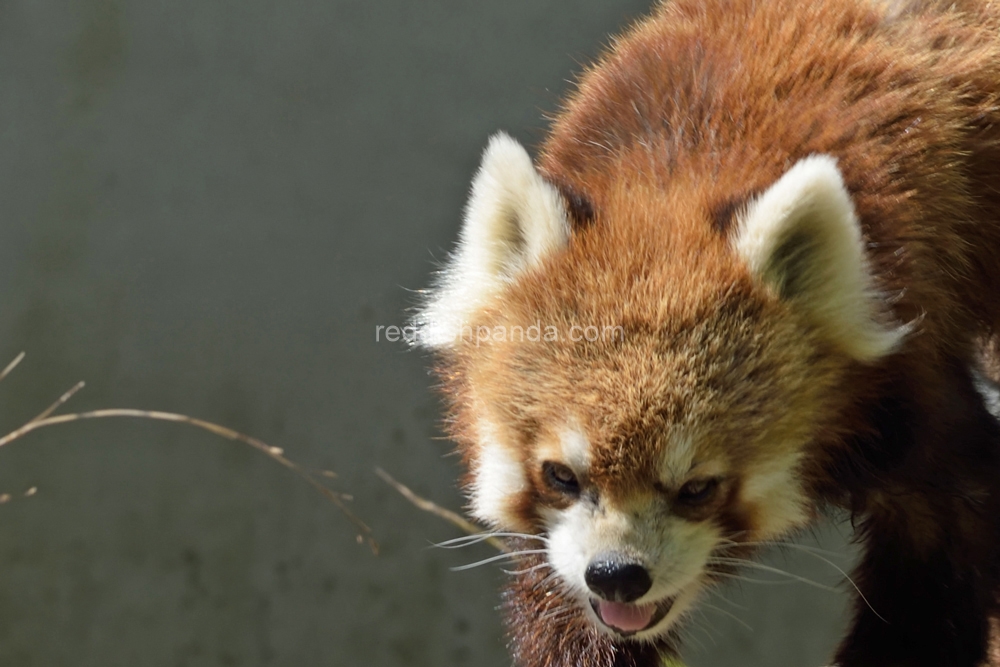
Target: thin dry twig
{"x":7,"y":497}
{"x":430,"y":506}
{"x":59,"y":403}
{"x":46,"y":418}
{"x":11,"y":366}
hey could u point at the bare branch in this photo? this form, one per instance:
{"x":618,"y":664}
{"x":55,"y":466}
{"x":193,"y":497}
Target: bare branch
{"x":46,"y":418}
{"x":11,"y":366}
{"x":61,"y":400}
{"x":430,"y":506}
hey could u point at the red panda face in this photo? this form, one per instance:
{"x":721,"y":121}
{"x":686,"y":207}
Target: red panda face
{"x":644,"y":393}
{"x":643,"y":461}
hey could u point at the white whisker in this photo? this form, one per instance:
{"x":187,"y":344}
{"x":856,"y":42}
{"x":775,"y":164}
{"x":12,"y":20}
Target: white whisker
{"x":466,"y":540}
{"x":742,"y":562}
{"x":743,"y":577}
{"x":690,"y":637}
{"x":729,"y":614}
{"x":557,"y":613}
{"x":711,"y":590}
{"x":815,"y":552}
{"x":784,"y":545}
{"x":705,"y":626}
{"x":493,"y":559}
{"x":547,"y":580}
{"x":527,"y":570}
{"x":849,"y":579}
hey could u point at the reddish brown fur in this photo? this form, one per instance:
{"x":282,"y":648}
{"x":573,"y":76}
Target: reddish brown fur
{"x":706,"y":103}
{"x":691,"y":114}
{"x":567,"y":639}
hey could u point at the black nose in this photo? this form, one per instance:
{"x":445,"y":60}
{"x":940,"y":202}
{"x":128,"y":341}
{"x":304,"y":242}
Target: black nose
{"x":617,"y":580}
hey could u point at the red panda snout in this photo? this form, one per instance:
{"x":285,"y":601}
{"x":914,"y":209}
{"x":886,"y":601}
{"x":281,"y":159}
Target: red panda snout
{"x":634,"y":568}
{"x":616,"y":579}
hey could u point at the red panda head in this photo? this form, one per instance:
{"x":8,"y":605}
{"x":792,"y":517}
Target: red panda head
{"x":642,"y":391}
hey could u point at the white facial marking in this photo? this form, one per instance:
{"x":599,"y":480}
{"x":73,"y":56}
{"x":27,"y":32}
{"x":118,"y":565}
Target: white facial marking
{"x":678,"y":457}
{"x":990,"y":392}
{"x":575,"y":447}
{"x":513,"y":220}
{"x":569,"y":548}
{"x":802,"y":235}
{"x":674,"y":551}
{"x":497,"y":476}
{"x":778,"y":491}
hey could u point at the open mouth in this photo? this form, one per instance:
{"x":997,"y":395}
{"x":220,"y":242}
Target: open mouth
{"x":627,"y":619}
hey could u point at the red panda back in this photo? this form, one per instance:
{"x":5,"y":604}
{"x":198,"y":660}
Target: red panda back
{"x":716,"y":103}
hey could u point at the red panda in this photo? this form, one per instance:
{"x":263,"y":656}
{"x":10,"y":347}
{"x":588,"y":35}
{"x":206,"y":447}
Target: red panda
{"x":748,"y":279}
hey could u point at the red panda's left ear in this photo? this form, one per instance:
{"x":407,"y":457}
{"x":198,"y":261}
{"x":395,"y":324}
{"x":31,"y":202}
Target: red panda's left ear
{"x":802,"y":238}
{"x":514,"y":219}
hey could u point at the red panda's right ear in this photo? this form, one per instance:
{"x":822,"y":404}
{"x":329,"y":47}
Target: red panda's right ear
{"x":513,"y":220}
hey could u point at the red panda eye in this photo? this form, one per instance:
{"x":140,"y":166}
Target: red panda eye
{"x":560,"y":478}
{"x":698,"y":491}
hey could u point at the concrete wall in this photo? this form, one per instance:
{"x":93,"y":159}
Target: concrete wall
{"x":207,"y":207}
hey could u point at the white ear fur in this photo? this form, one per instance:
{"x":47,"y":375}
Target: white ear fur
{"x":513,"y":220}
{"x":803,"y":238}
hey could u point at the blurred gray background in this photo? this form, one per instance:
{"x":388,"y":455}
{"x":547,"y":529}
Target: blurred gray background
{"x":208,"y":206}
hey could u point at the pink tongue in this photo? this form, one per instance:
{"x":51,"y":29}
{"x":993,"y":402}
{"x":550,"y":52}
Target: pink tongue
{"x":626,"y":617}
